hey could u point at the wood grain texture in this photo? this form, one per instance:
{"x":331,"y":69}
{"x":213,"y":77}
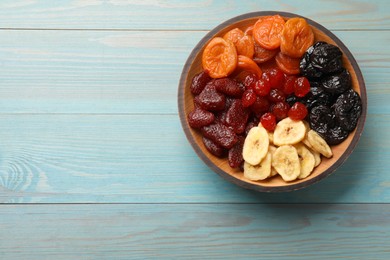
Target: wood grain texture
{"x":138,"y":158}
{"x":245,"y":231}
{"x":132,"y":72}
{"x":182,"y":15}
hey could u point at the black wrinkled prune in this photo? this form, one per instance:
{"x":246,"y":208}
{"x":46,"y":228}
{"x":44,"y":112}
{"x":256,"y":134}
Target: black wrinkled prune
{"x":321,"y":119}
{"x":291,"y":99}
{"x":347,"y":109}
{"x":317,"y":96}
{"x":321,"y":59}
{"x":336,"y":135}
{"x":338,"y":83}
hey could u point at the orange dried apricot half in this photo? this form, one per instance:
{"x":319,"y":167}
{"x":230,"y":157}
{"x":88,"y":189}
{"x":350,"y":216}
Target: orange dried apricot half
{"x":219,"y":58}
{"x":268,"y":30}
{"x":297,"y":37}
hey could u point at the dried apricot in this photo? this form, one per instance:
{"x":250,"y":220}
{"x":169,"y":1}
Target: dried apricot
{"x":244,"y":43}
{"x":219,"y":58}
{"x":249,"y":30}
{"x":262,"y":55}
{"x":248,"y":64}
{"x":287,"y":64}
{"x":297,"y":37}
{"x":233,"y":35}
{"x":268,"y":30}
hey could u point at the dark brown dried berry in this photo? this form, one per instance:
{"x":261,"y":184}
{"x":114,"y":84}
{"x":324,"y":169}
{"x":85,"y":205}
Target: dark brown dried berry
{"x":220,"y":134}
{"x":220,"y":116}
{"x":213,"y":147}
{"x":229,"y":87}
{"x":337,"y":83}
{"x":199,"y":117}
{"x":199,"y":82}
{"x":321,"y":119}
{"x":237,"y":116}
{"x":348,"y":108}
{"x":211,"y":100}
{"x":235,"y":153}
{"x":335,"y":135}
{"x":321,"y":59}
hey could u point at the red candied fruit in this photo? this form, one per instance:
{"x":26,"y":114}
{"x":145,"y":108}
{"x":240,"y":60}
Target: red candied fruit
{"x":298,"y":111}
{"x":248,"y":98}
{"x":276,"y":95}
{"x":275,"y":78}
{"x":280,"y":110}
{"x":250,"y":81}
{"x":268,"y":121}
{"x":301,"y":87}
{"x":260,"y":106}
{"x":262,"y":87}
{"x":288,"y":87}
{"x":199,"y":81}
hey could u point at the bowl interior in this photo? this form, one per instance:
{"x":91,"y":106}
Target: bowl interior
{"x":221,"y":166}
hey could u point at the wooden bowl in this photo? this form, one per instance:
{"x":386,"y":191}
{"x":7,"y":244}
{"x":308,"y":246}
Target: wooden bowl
{"x":220,"y":166}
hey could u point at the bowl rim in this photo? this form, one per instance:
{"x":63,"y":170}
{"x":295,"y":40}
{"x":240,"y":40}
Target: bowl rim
{"x":259,"y":187}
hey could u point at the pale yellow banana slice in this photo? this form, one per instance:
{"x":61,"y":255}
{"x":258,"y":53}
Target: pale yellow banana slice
{"x":289,"y":131}
{"x":271,"y":150}
{"x":285,"y":160}
{"x":271,"y":137}
{"x":317,"y":157}
{"x":306,"y":159}
{"x":260,"y":171}
{"x":255,"y":145}
{"x":319,"y":144}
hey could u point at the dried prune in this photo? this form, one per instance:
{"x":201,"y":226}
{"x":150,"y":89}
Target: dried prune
{"x":237,"y":116}
{"x":321,"y":119}
{"x":335,"y":135}
{"x":235,"y":153}
{"x":220,"y":134}
{"x":199,"y":82}
{"x":321,"y":59}
{"x":337,"y":83}
{"x":213,"y":148}
{"x":317,"y":96}
{"x":348,"y":108}
{"x":211,"y":100}
{"x":229,"y":87}
{"x":199,"y":117}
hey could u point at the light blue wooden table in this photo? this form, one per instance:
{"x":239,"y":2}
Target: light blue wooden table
{"x":94,"y":163}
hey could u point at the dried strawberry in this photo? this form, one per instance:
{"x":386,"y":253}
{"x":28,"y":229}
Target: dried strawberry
{"x":260,"y":106}
{"x":220,"y":116}
{"x":235,"y":153}
{"x":237,"y":116}
{"x":199,"y":82}
{"x":213,"y":147}
{"x":229,"y":87}
{"x":220,"y":134}
{"x":199,"y":117}
{"x":252,"y":122}
{"x":209,"y":99}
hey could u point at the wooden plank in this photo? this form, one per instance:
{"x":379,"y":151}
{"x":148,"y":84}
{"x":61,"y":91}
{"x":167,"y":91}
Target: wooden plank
{"x":180,"y":15}
{"x":220,"y":231}
{"x":130,"y":72}
{"x":142,"y":159}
